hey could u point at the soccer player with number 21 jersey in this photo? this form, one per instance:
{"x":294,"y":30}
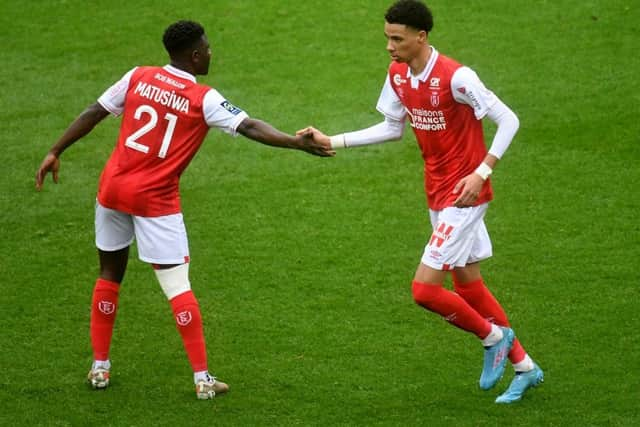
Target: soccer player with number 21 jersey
{"x":445,"y":103}
{"x":166,"y":115}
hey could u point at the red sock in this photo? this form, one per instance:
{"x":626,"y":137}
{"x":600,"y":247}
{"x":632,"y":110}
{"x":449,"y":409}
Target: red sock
{"x":103,"y":315}
{"x":482,"y":300}
{"x":451,"y":306}
{"x":189,"y":323}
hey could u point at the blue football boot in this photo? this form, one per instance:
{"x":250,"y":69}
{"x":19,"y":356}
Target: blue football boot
{"x":495,"y":359}
{"x":522,"y":382}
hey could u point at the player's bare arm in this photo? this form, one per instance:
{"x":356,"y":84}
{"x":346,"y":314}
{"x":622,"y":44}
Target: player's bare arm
{"x":267,"y":134}
{"x":81,"y":126}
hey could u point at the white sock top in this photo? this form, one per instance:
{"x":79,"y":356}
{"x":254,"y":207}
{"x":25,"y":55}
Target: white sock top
{"x":103,"y":364}
{"x":202,"y":376}
{"x":525,"y":365}
{"x":494,"y":336}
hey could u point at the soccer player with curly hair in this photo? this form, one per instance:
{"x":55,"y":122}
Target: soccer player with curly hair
{"x":445,"y":103}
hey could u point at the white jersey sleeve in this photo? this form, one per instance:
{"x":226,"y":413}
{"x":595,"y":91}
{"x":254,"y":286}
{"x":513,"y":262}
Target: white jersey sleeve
{"x":389,"y":104}
{"x":113,"y":98}
{"x":220,"y":113}
{"x":508,"y":125}
{"x":467,"y":88}
{"x":388,"y":130}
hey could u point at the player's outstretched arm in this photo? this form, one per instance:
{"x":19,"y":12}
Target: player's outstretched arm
{"x":387,"y":130}
{"x":317,"y":135}
{"x":81,"y":126}
{"x":267,"y":134}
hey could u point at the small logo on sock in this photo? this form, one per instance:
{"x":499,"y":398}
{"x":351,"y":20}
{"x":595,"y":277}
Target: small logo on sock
{"x":183,"y":318}
{"x":106,"y":307}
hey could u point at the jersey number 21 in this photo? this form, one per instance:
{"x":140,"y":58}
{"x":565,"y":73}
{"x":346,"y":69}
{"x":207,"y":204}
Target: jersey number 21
{"x":132,"y":140}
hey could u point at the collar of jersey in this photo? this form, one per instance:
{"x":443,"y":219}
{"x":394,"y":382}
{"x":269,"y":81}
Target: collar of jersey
{"x":427,"y":70}
{"x":178,"y":72}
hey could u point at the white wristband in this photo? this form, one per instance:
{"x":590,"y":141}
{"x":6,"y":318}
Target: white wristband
{"x":483,"y":170}
{"x":338,"y":141}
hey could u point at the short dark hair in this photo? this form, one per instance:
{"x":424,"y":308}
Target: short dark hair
{"x":182,"y":35}
{"x":411,"y":13}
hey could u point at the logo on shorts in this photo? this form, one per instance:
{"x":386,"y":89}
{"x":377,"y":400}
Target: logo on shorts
{"x":441,"y":234}
{"x":106,"y":307}
{"x":183,"y":318}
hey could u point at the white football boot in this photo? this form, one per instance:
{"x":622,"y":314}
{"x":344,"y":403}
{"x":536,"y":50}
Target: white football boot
{"x":210,"y":388}
{"x":98,"y":378}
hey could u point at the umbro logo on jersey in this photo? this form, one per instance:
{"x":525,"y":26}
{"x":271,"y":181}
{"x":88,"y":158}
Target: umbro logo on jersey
{"x":230,"y":107}
{"x":434,"y":82}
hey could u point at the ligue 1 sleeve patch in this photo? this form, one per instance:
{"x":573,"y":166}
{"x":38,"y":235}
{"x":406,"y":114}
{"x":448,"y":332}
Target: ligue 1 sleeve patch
{"x":230,"y":107}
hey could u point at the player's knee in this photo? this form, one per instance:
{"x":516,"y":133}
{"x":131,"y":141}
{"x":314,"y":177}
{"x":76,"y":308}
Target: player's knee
{"x":425,"y":294}
{"x":174,"y":281}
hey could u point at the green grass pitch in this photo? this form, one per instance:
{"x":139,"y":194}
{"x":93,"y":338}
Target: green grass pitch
{"x":302,"y":265}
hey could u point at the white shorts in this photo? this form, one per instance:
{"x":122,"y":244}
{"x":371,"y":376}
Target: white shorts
{"x":161,"y":240}
{"x":459,"y":238}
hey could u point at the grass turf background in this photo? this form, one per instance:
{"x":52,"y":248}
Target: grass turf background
{"x":303,"y":265}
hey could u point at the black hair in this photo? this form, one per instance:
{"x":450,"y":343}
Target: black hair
{"x":411,"y":13}
{"x":182,"y":35}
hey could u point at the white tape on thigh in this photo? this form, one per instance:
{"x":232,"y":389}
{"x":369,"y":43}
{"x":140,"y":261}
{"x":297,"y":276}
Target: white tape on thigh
{"x":174,"y":281}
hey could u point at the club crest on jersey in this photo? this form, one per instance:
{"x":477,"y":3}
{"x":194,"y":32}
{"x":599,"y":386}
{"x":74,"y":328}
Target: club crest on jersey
{"x":398,"y":80}
{"x":183,"y":318}
{"x":106,"y":307}
{"x":435,"y":99}
{"x":230,"y":107}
